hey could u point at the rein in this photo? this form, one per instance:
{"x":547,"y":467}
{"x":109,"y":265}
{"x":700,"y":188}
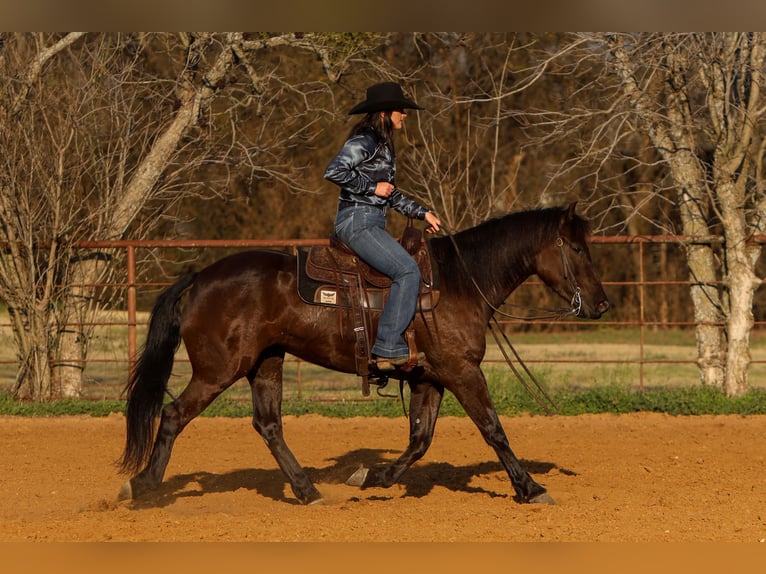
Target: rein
{"x":538,"y":393}
{"x":575,"y":303}
{"x":542,"y":399}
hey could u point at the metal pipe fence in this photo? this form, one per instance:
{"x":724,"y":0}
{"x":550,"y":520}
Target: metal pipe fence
{"x":631,"y":287}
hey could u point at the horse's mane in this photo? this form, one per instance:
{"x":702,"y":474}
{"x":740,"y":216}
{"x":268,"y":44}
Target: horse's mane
{"x":499,"y":249}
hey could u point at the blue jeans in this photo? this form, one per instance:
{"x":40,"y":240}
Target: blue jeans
{"x":363,"y":229}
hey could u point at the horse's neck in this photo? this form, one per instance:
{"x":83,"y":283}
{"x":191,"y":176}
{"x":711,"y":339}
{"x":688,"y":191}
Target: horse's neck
{"x":497,"y":274}
{"x":516,"y":269}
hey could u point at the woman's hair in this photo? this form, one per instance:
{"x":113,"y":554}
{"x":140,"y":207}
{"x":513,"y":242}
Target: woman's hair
{"x":380,"y":124}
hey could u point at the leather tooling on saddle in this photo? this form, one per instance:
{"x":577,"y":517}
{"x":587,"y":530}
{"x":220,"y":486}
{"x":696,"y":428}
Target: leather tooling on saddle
{"x":335,"y":276}
{"x":325,"y":273}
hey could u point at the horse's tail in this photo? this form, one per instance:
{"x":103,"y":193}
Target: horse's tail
{"x":149,"y":380}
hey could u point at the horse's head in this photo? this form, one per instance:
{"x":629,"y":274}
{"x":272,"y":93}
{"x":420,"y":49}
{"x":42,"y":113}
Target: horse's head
{"x":565,"y":265}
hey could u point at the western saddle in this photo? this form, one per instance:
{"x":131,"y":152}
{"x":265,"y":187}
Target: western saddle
{"x":334,"y":275}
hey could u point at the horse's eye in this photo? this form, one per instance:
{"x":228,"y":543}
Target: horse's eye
{"x":576,"y":248}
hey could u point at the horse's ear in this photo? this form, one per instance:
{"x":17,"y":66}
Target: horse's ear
{"x":571,"y":210}
{"x":568,"y":216}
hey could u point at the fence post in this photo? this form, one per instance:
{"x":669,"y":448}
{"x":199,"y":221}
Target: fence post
{"x":641,"y":314}
{"x":131,"y":310}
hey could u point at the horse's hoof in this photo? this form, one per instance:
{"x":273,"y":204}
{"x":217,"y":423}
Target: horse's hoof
{"x":126,"y":492}
{"x":543,"y":498}
{"x":358,"y":478}
{"x":318,"y":501}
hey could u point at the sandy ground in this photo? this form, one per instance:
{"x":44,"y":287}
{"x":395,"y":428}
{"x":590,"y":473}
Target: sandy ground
{"x":641,"y":477}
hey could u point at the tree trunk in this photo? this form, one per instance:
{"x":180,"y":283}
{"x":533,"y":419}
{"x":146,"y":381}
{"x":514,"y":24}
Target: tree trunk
{"x":33,"y":379}
{"x":673,"y":137}
{"x":76,"y":325}
{"x":742,"y":285}
{"x":711,"y":343}
{"x":733,"y":79}
{"x":30,"y":309}
{"x":73,"y":346}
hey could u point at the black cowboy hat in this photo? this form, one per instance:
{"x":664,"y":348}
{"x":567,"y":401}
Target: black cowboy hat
{"x":383,"y":97}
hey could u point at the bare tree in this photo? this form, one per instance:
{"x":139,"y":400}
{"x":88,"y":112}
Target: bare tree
{"x":696,"y":98}
{"x":104,"y":134}
{"x":466,"y":153}
{"x":33,"y":175}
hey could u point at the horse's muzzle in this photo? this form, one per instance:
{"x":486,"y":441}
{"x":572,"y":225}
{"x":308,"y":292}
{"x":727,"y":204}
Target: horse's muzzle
{"x":595,"y":312}
{"x":602,"y":307}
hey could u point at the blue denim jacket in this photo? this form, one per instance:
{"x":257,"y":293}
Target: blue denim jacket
{"x":361,"y":163}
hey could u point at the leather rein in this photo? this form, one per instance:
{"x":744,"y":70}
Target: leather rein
{"x":575,"y":304}
{"x":538,"y":393}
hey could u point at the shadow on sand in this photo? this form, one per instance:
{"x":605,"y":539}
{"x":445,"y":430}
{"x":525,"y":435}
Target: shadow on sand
{"x":418,"y":481}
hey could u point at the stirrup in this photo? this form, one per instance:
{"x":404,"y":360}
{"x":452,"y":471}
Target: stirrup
{"x":387,"y":365}
{"x":378,"y":380}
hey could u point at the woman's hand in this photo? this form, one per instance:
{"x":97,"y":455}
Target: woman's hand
{"x":434,"y":223}
{"x":384,"y":189}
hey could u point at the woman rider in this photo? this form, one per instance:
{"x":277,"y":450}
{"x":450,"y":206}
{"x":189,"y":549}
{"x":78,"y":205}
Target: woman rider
{"x":365,"y":170}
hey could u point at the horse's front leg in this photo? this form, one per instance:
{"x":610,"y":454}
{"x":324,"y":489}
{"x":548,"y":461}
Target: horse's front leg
{"x":425,"y":400}
{"x":473,"y":395}
{"x":266,"y":387}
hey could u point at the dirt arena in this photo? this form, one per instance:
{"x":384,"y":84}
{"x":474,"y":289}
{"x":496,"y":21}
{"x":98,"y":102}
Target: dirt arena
{"x":641,"y":477}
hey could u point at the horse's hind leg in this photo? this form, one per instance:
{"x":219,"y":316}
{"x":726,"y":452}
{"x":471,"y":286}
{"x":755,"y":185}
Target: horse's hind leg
{"x":175,"y":416}
{"x":425,"y":400}
{"x":266,"y":386}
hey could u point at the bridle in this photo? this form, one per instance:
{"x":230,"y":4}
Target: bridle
{"x":575,"y":307}
{"x":576,"y":303}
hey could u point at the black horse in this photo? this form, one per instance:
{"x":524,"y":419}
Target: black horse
{"x":243,"y":313}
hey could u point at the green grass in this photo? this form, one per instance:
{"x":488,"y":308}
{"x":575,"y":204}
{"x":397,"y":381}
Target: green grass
{"x":510,"y":399}
{"x":586,"y":370}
